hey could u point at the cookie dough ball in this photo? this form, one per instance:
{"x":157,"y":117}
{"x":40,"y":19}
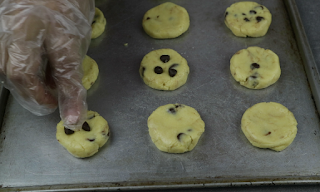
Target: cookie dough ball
{"x":175,"y":128}
{"x":90,"y":72}
{"x":164,"y":69}
{"x":98,"y":24}
{"x":86,"y":142}
{"x":269,"y":125}
{"x":248,"y":19}
{"x":165,"y":21}
{"x":255,"y":67}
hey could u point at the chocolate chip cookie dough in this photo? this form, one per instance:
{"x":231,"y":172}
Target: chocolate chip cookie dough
{"x":165,"y":21}
{"x":98,"y":24}
{"x":269,"y":125}
{"x":164,"y":69}
{"x":248,"y":19}
{"x":255,"y":67}
{"x":175,"y":128}
{"x":90,"y":72}
{"x":86,"y":142}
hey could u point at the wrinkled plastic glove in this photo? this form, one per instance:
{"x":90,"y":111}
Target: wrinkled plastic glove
{"x":42,"y":44}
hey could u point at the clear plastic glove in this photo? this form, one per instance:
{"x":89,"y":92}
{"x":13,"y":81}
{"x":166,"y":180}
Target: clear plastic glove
{"x":42,"y":44}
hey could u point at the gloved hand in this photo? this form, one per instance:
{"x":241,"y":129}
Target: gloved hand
{"x":42,"y":44}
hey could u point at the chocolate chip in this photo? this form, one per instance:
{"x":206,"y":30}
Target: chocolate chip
{"x":172,"y":110}
{"x":178,"y":105}
{"x":91,"y":140}
{"x":108,"y":134}
{"x":253,"y":12}
{"x":189,"y":129}
{"x":246,"y":19}
{"x":142,"y":71}
{"x":93,"y":22}
{"x":268,"y":133}
{"x":173,"y":72}
{"x":165,"y":58}
{"x":148,"y":18}
{"x":173,"y":65}
{"x":260,"y":7}
{"x":254,"y":66}
{"x":86,"y":127}
{"x":259,"y":18}
{"x":252,"y":78}
{"x":179,"y":135}
{"x":225,"y":15}
{"x":158,"y":70}
{"x":68,"y":131}
{"x":158,"y":16}
{"x":243,"y":14}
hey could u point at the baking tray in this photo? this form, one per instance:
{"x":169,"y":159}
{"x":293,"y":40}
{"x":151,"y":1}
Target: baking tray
{"x":32,"y":160}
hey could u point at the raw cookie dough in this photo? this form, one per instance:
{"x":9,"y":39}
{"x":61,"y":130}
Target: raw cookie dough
{"x":86,"y":142}
{"x":98,"y":24}
{"x":269,"y":125}
{"x":175,"y":128}
{"x":90,"y":72}
{"x":248,"y":19}
{"x":164,"y":69}
{"x":255,"y":67}
{"x":165,"y":21}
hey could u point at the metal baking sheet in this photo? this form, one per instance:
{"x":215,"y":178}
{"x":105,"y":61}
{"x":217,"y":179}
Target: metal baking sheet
{"x":32,"y":159}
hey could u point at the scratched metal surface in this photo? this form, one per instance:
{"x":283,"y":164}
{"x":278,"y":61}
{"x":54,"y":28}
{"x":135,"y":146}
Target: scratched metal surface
{"x":309,"y":15}
{"x":30,"y":156}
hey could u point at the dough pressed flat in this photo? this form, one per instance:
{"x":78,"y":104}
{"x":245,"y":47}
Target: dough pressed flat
{"x":269,"y":125}
{"x":98,"y":24}
{"x":248,"y":19}
{"x":90,"y":72}
{"x":175,"y":128}
{"x":86,"y":142}
{"x":165,"y":21}
{"x":164,"y":69}
{"x":255,"y":67}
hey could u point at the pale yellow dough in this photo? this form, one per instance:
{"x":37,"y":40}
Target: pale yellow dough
{"x":165,"y":21}
{"x":269,"y":125}
{"x":164,"y":81}
{"x":175,"y":128}
{"x":255,"y":67}
{"x":248,"y":19}
{"x":83,"y":143}
{"x":90,"y":72}
{"x":98,"y":25}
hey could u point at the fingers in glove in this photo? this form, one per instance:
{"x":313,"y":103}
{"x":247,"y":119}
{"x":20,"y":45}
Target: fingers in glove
{"x":65,"y":58}
{"x":24,"y":67}
{"x":66,"y":44}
